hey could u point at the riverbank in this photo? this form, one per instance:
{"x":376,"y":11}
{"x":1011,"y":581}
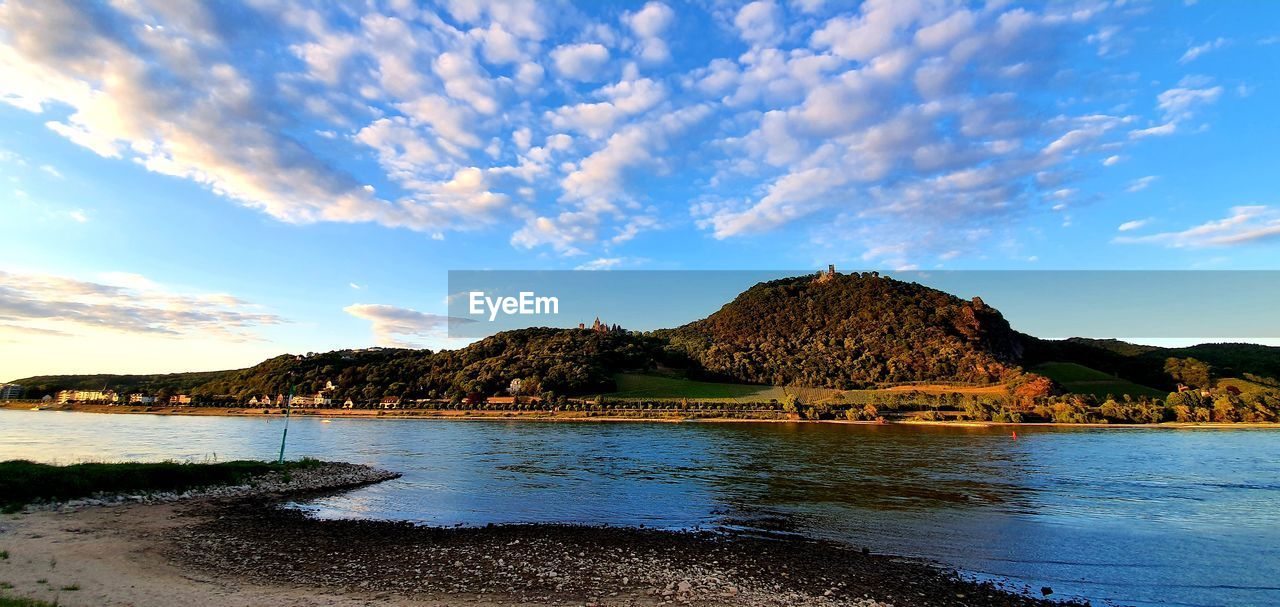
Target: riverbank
{"x":575,"y":416}
{"x":253,"y":552}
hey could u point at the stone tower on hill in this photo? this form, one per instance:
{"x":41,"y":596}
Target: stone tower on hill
{"x":829,"y":275}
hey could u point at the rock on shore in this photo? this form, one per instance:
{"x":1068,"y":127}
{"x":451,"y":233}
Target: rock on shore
{"x":324,"y":476}
{"x":562,"y":564}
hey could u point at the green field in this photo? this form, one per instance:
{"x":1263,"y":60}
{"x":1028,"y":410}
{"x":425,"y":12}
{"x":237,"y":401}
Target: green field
{"x":644,"y":386}
{"x":1245,"y":386}
{"x":1085,"y":380}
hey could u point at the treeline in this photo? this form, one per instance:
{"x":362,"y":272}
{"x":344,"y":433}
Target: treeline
{"x":1223,"y":406}
{"x":544,"y":360}
{"x":1148,"y":365}
{"x":850,"y":331}
{"x":176,"y":383}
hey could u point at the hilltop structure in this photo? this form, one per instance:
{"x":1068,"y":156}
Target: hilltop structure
{"x":598,"y":326}
{"x":827,"y":276}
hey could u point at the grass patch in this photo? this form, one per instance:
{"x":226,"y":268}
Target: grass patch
{"x":1246,"y":387}
{"x":657,"y":387}
{"x":646,"y":386}
{"x":1085,"y":380}
{"x":7,"y":601}
{"x":23,"y":482}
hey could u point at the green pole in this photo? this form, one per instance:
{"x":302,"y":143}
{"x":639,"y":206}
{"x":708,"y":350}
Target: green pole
{"x":288,"y":407}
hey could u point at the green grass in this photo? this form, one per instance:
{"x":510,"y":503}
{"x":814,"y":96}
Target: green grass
{"x":23,"y":482}
{"x":6,"y":601}
{"x":1085,"y":380}
{"x":645,"y":386}
{"x":1245,"y":386}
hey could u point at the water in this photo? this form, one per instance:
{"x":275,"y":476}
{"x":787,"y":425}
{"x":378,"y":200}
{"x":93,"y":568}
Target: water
{"x":1184,"y":517}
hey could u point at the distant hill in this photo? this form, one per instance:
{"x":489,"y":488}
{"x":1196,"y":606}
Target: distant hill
{"x":828,"y":331}
{"x":563,"y":361}
{"x":175,"y":382}
{"x":847,"y":331}
{"x":1080,"y":379}
{"x":1145,"y":364}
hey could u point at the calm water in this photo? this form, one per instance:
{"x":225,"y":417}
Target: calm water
{"x":1188,"y":517}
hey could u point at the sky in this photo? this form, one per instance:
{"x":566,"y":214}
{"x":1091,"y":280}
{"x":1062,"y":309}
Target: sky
{"x":188,"y":185}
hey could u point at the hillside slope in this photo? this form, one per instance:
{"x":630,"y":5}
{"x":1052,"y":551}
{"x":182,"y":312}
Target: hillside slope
{"x":1146,"y":364}
{"x":850,"y":331}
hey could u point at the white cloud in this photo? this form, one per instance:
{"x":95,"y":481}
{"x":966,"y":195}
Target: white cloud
{"x":1181,"y":102}
{"x":1133,"y":225}
{"x":499,"y":46}
{"x":464,"y":79}
{"x":177,"y":107}
{"x":400,"y":327}
{"x":648,"y":24}
{"x":580,"y":61}
{"x":1245,"y":225}
{"x":1112,"y":160}
{"x":902,"y":115}
{"x":621,"y":100}
{"x":603,"y":263}
{"x":596,"y":186}
{"x":78,"y":215}
{"x":1141,"y":183}
{"x":124,"y":303}
{"x":1161,"y":130}
{"x":760,"y":23}
{"x":1200,"y":49}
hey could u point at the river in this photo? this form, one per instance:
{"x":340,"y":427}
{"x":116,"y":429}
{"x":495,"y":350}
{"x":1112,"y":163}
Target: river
{"x":1130,"y":516}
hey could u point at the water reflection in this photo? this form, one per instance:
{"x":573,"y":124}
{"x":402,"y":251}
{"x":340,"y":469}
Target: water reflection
{"x":1137,"y":516}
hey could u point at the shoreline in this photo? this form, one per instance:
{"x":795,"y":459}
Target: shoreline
{"x":542,"y":416}
{"x":250,"y":550}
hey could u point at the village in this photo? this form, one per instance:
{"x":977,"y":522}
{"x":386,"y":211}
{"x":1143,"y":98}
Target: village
{"x":320,"y":400}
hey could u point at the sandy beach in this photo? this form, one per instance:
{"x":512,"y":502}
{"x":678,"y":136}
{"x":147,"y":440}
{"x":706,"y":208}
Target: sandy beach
{"x":247,"y":550}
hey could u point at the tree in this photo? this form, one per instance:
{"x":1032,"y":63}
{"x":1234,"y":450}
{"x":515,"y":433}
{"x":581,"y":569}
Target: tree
{"x":1189,"y":371}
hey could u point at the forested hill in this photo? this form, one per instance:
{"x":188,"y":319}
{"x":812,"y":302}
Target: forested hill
{"x":561,"y":361}
{"x":819,"y":331}
{"x":1147,"y":365}
{"x":175,"y":383}
{"x":849,"y":331}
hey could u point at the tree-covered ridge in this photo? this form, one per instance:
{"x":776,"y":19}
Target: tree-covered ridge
{"x":851,"y":331}
{"x":1149,"y":365}
{"x":561,"y":361}
{"x":177,"y":383}
{"x":829,"y":331}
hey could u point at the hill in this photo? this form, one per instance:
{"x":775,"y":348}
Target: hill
{"x":561,"y":361}
{"x":173,"y":382}
{"x":1145,"y":365}
{"x":850,"y":331}
{"x":1083,"y":380}
{"x":816,"y":332}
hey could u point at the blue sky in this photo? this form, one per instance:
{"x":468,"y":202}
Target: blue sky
{"x":196,"y":185}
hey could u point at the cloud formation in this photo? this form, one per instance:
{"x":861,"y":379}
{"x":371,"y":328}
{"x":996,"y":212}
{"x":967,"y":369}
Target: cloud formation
{"x":401,"y":327}
{"x":891,"y":118}
{"x":1244,"y":225}
{"x":124,"y":303}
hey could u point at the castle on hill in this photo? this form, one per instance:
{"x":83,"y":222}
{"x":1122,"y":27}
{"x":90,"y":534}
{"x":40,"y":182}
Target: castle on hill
{"x":599,"y":327}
